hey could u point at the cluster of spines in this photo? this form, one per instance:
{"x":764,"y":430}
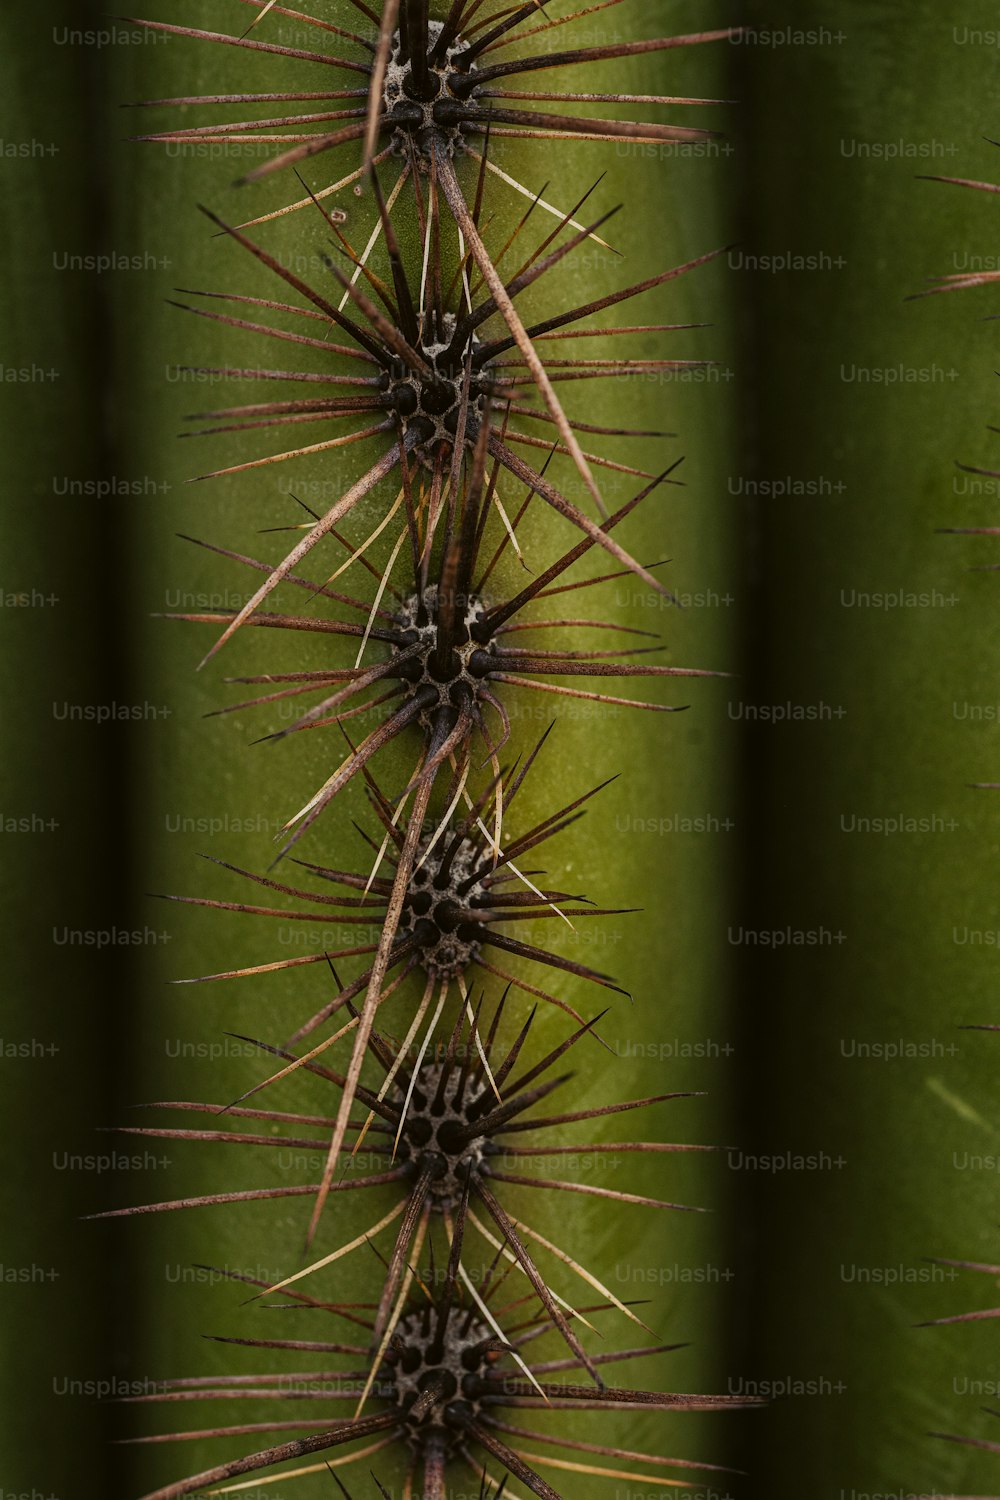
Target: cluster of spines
{"x":445,"y":398}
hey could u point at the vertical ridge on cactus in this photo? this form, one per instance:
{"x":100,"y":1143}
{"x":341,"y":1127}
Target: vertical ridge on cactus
{"x":444,"y":371}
